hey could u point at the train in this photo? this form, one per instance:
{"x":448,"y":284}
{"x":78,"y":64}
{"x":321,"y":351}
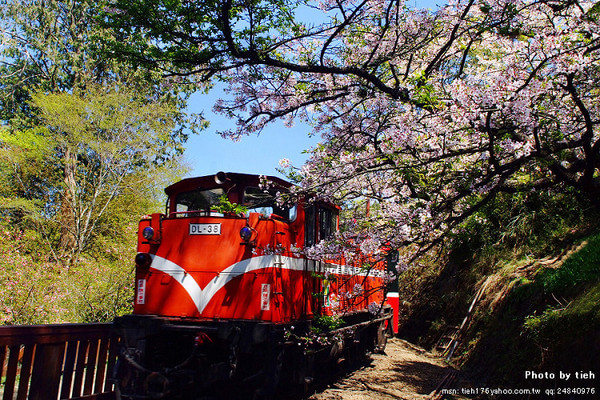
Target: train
{"x":228,"y":300}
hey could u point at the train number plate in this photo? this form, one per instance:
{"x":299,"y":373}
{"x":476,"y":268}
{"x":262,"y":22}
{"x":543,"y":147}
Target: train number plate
{"x":205,"y":229}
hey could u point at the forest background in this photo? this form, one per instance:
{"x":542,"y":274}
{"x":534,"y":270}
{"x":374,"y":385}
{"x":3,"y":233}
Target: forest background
{"x":472,"y":131}
{"x":87,"y":143}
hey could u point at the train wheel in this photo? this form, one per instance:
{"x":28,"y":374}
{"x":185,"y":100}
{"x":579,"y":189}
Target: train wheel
{"x":274,"y":362}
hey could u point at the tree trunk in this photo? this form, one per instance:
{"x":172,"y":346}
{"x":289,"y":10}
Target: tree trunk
{"x":68,"y":241}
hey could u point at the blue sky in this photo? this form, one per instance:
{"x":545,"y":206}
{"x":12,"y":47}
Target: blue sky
{"x":208,"y":153}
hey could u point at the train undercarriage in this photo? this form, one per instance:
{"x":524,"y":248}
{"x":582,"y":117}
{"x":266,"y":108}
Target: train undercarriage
{"x":177,"y":358}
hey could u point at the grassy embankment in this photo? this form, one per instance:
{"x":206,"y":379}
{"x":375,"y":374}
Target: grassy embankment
{"x":540,"y":306}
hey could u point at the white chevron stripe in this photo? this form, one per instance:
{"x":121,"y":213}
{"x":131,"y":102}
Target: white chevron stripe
{"x":201,"y":297}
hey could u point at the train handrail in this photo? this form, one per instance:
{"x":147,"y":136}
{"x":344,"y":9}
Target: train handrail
{"x":57,"y":361}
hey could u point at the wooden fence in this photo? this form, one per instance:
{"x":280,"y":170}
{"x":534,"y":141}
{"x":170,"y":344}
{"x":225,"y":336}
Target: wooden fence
{"x":51,"y":362}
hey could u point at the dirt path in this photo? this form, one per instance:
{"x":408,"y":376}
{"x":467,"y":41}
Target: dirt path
{"x":404,"y":372}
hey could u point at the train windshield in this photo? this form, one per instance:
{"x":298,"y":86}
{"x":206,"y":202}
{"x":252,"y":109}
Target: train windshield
{"x":198,"y":200}
{"x":264,"y":202}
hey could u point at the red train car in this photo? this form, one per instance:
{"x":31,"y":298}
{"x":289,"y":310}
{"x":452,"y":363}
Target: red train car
{"x":226,"y":297}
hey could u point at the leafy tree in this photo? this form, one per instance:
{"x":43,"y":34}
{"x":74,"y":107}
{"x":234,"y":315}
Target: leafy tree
{"x":56,"y":45}
{"x":53,"y":65}
{"x":85,"y":142}
{"x":429,"y":114}
{"x":111,"y":137}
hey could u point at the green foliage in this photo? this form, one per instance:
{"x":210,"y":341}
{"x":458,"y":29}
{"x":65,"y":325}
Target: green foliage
{"x":559,"y":324}
{"x":57,"y":46}
{"x":225,"y":206}
{"x":536,"y":313}
{"x":44,"y":286}
{"x":28,"y":293}
{"x":28,"y":174}
{"x":178,"y":27}
{"x":102,"y":288}
{"x":594,"y":12}
{"x":86,"y":147}
{"x":577,"y":279}
{"x":543,"y":322}
{"x":94,"y":146}
{"x":535,"y":223}
{"x":424,"y":92}
{"x":110,"y":125}
{"x":38,"y":289}
{"x":50,"y":47}
{"x":323,"y":323}
{"x":579,"y":268}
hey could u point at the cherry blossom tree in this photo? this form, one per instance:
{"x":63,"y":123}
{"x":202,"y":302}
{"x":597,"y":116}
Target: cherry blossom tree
{"x":429,"y":114}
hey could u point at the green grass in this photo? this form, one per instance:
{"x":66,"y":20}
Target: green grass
{"x":548,"y":321}
{"x":581,"y":267}
{"x":562,"y":322}
{"x":575,"y":291}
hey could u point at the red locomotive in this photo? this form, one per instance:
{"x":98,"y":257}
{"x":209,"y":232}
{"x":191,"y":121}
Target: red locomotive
{"x":225,"y":296}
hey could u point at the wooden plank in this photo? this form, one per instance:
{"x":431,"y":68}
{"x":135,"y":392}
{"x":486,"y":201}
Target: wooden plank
{"x":2,"y":359}
{"x":80,"y":368}
{"x":47,"y":370}
{"x":100,"y":375}
{"x":52,"y":333}
{"x":112,"y":360}
{"x":98,"y":396}
{"x":45,"y":349}
{"x":26,"y":363}
{"x":11,"y":372}
{"x":68,"y":369}
{"x":90,"y":367}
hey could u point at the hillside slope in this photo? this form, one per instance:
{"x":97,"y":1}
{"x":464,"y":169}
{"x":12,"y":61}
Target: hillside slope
{"x":533,"y":319}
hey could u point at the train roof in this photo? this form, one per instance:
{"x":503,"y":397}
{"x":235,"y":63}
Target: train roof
{"x":223,"y":179}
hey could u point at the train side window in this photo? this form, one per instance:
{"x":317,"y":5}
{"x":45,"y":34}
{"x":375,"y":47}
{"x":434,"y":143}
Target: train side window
{"x":391,"y":263}
{"x":319,"y":229}
{"x":293,"y":212}
{"x":197,"y":200}
{"x":327,"y":223}
{"x":309,"y":226}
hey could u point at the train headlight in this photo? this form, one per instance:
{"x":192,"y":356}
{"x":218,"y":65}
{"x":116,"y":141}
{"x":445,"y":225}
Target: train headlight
{"x":148,"y":233}
{"x":246,"y":233}
{"x":143,"y":259}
